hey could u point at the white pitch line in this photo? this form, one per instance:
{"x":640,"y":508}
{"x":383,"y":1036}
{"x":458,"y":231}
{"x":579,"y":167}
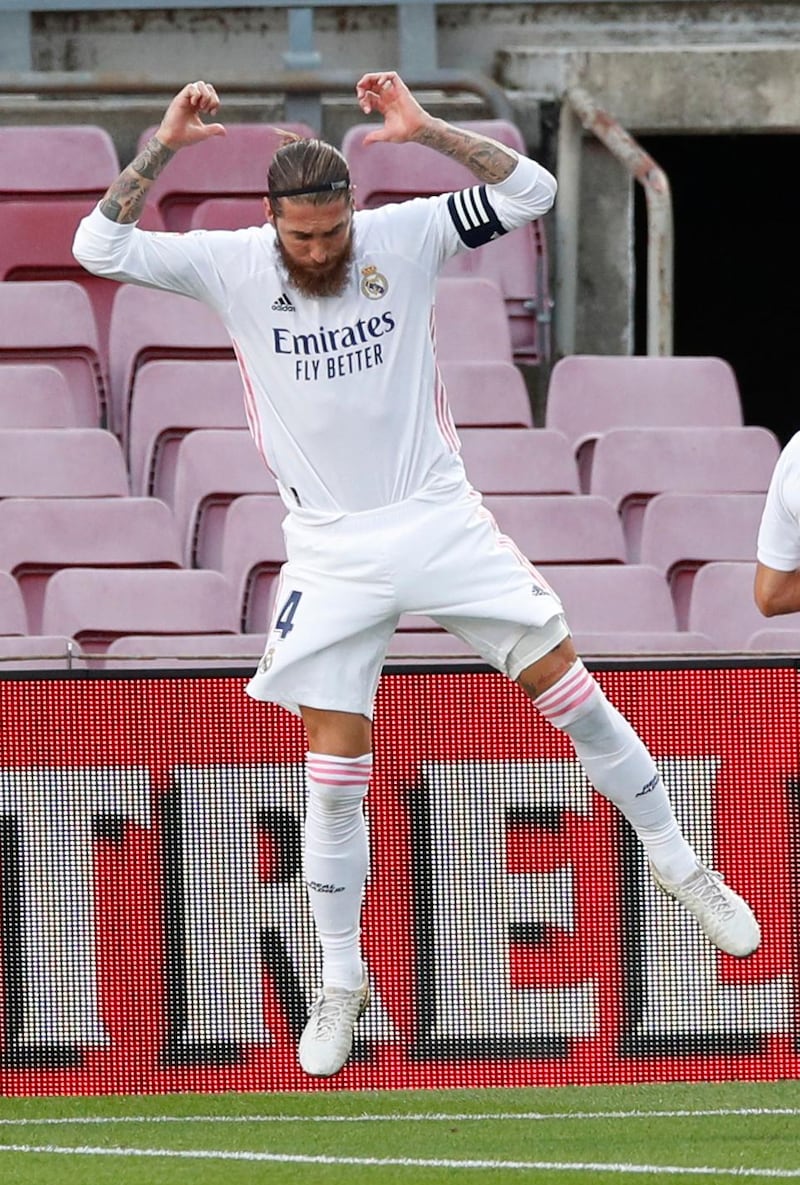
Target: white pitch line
{"x":408,"y":1162}
{"x":434,"y":1117}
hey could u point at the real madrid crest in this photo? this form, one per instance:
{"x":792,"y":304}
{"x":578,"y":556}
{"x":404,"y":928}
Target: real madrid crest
{"x":373,"y":284}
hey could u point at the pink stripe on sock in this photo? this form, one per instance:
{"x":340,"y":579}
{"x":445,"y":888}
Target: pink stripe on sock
{"x":572,"y":690}
{"x":339,"y":771}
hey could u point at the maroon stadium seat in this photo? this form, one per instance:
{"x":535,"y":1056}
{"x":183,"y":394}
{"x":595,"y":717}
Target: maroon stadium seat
{"x":13,"y":619}
{"x":518,"y":461}
{"x":251,"y":552}
{"x":680,"y":532}
{"x":722,"y":605}
{"x":47,"y":162}
{"x":61,"y":463}
{"x":96,"y":605}
{"x":631,"y":465}
{"x":486,"y":394}
{"x":233,"y":165}
{"x":36,"y":396}
{"x":588,"y":393}
{"x":470,"y":319}
{"x":147,"y":324}
{"x":184,"y":651}
{"x":170,"y":398}
{"x":212,"y":467}
{"x":40,"y":535}
{"x":560,"y":529}
{"x":51,"y":321}
{"x":228,"y":213}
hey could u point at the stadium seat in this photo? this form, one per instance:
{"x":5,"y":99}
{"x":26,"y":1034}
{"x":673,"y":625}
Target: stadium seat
{"x":147,"y":324}
{"x":96,"y":605}
{"x":622,"y":611}
{"x":777,"y":641}
{"x":588,"y":394}
{"x":722,"y":605}
{"x":560,"y":529}
{"x":251,"y":551}
{"x":36,"y":396}
{"x":486,"y":394}
{"x":40,"y":535}
{"x":51,"y":321}
{"x":184,"y":651}
{"x":78,"y":161}
{"x":233,"y":165}
{"x":227,"y":213}
{"x":12,"y":607}
{"x":212,"y":467}
{"x":680,"y":532}
{"x":40,"y":653}
{"x":633,"y":464}
{"x":36,"y":244}
{"x":470,"y":321}
{"x":516,"y":262}
{"x":612,"y":598}
{"x":412,"y":646}
{"x":169,"y":399}
{"x":61,"y":463}
{"x":518,"y":461}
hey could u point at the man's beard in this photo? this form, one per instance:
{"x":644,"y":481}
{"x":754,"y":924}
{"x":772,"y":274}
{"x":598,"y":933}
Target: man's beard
{"x":317,"y":281}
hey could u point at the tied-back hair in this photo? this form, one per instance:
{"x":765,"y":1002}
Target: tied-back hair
{"x":307,"y":165}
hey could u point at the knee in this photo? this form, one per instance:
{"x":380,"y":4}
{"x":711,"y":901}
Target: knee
{"x":574,"y":702}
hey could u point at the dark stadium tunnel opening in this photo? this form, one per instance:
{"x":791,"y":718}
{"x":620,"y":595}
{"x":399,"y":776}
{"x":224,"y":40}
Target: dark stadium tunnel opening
{"x":736,"y":262}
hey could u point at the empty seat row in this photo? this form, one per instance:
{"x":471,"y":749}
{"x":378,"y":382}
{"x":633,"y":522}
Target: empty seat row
{"x":611,"y":609}
{"x":199,"y":471}
{"x":217,"y":525}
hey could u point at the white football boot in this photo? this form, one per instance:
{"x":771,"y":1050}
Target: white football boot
{"x":726,"y":918}
{"x":327,"y":1039}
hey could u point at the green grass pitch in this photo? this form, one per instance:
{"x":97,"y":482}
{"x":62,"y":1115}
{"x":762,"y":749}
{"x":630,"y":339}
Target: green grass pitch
{"x":676,"y":1132}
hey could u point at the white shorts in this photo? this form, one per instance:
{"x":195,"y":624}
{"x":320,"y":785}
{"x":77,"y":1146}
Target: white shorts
{"x":345,"y":584}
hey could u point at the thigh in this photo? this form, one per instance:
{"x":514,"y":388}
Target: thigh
{"x":326,"y":643}
{"x":475,"y":582}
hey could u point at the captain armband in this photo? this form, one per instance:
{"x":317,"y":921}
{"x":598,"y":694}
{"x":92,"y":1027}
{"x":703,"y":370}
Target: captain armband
{"x":473,"y":216}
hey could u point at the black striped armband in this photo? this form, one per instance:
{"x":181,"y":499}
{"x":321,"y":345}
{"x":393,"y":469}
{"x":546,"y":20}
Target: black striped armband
{"x":473,"y":216}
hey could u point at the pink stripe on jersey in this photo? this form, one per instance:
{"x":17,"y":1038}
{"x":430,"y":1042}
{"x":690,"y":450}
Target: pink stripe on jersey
{"x":251,"y":407}
{"x":339,"y":771}
{"x":444,"y":416}
{"x":572,"y":690}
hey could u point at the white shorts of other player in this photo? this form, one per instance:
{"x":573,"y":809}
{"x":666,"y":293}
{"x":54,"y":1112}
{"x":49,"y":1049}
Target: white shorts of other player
{"x":345,"y":584}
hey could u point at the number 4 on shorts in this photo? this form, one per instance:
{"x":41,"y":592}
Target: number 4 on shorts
{"x":284,"y":622}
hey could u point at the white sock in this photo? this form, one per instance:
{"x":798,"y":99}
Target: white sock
{"x":336,"y":860}
{"x":619,"y":766}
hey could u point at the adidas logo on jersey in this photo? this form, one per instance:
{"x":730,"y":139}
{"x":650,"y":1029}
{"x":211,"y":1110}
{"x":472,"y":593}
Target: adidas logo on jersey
{"x":283,"y":304}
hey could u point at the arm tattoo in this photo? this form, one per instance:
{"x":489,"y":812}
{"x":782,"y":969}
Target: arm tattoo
{"x":488,"y":160}
{"x":124,"y":199}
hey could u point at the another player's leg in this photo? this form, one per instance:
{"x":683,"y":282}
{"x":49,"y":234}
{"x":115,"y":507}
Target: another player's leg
{"x":335,"y":865}
{"x":620,"y":767}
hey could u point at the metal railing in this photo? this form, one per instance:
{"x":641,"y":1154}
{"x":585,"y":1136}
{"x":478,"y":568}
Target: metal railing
{"x":580,"y":110}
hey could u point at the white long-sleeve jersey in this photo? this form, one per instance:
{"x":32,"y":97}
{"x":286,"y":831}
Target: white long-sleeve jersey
{"x":343,"y":396}
{"x":779,"y":533}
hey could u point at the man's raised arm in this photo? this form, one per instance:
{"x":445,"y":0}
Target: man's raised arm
{"x":181,"y":127}
{"x":405,"y":120}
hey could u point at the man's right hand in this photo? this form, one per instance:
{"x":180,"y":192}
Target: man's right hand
{"x":182,"y":124}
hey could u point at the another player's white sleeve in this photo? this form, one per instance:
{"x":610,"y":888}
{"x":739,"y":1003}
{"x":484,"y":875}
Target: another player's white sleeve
{"x":483,"y":212}
{"x":779,"y":533}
